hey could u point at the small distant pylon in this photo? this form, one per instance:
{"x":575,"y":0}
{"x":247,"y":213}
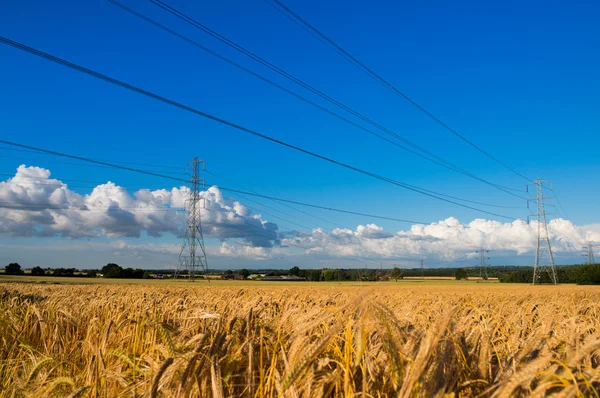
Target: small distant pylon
{"x":543,"y":237}
{"x":590,"y":253}
{"x":194,"y":258}
{"x":422,"y":269}
{"x":483,"y":273}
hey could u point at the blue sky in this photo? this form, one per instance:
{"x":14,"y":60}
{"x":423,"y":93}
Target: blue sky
{"x":520,"y":80}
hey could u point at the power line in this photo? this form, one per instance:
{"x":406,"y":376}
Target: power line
{"x":146,"y":187}
{"x":221,"y":188}
{"x":577,"y":228}
{"x":78,"y":164}
{"x":67,"y":182}
{"x":551,"y":189}
{"x":273,"y":215}
{"x":432,"y":157}
{"x":100,"y":76}
{"x":49,"y":206}
{"x":388,"y":85}
{"x":75,"y":207}
{"x":252,"y":193}
{"x":321,"y":207}
{"x":281,"y":203}
{"x":89,"y":160}
{"x":322,"y":95}
{"x":112,"y":161}
{"x":59,"y":183}
{"x":261,"y":231}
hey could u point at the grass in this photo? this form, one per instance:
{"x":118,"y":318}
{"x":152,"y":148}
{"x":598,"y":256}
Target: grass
{"x":250,"y":339}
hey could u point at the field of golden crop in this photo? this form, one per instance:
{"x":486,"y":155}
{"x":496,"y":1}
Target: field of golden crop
{"x":298,"y":341}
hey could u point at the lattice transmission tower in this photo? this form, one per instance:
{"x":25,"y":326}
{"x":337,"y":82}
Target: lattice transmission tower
{"x":193,"y":254}
{"x":422,"y":269}
{"x":590,"y":253}
{"x":543,"y":237}
{"x":483,"y":272}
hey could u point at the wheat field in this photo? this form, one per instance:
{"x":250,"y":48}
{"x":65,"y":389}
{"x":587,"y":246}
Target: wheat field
{"x":298,"y":341}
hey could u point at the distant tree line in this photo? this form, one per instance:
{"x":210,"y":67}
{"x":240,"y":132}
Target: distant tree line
{"x":15,"y":269}
{"x":579,"y":274}
{"x":108,"y":271}
{"x":355,"y":274}
{"x":588,"y":274}
{"x":116,"y":271}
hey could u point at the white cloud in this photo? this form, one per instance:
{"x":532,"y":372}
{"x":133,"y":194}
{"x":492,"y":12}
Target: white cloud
{"x":447,"y":239}
{"x":34,"y":204}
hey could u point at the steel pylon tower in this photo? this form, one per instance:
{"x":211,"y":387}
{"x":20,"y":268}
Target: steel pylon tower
{"x":193,"y":254}
{"x":590,"y":253}
{"x":422,"y":269}
{"x":543,"y":237}
{"x":483,"y":273}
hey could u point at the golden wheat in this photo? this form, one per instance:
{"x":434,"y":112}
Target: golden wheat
{"x":298,"y":341}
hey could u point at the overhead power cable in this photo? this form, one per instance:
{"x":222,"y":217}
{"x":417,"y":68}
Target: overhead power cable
{"x":222,"y":188}
{"x":68,"y":181}
{"x":58,"y":183}
{"x":128,"y":86}
{"x":260,"y":231}
{"x":294,"y":79}
{"x":428,"y":155}
{"x":23,"y":158}
{"x":236,"y":191}
{"x":245,"y":198}
{"x":318,"y":207}
{"x":391,"y":87}
{"x":281,"y":203}
{"x":271,"y":214}
{"x":36,"y":207}
{"x":89,"y":160}
{"x":112,"y":161}
{"x":81,"y":207}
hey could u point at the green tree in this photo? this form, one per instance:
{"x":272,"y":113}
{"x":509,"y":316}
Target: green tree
{"x":146,"y":276}
{"x":92,"y":273}
{"x":13,"y":269}
{"x":227,"y":275}
{"x":313,"y":275}
{"x":244,"y":273}
{"x":38,"y":271}
{"x":461,"y":274}
{"x":112,"y":271}
{"x":130,"y":273}
{"x":588,"y":274}
{"x":397,"y":274}
{"x":64,"y":272}
{"x":295,"y":271}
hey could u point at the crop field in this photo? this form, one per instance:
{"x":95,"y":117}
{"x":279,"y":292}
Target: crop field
{"x":299,"y":340}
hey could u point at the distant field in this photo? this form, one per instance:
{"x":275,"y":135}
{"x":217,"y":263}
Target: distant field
{"x":253,"y":339}
{"x":219,"y":282}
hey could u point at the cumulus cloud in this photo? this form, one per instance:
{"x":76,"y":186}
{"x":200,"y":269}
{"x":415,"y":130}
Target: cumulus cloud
{"x":446,"y":239}
{"x":34,"y":204}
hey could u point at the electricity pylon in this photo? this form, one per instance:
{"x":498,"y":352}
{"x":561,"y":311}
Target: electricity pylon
{"x":195,"y":257}
{"x":590,"y":253}
{"x":483,"y":273}
{"x":543,"y":237}
{"x":422,"y":269}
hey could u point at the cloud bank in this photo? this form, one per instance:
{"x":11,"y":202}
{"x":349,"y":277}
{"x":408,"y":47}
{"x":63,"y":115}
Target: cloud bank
{"x":32,"y":204}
